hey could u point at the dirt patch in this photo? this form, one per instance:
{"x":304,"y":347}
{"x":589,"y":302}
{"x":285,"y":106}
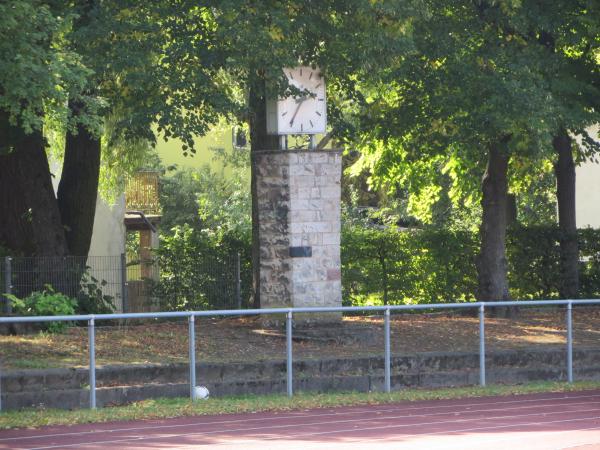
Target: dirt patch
{"x":247,"y":339}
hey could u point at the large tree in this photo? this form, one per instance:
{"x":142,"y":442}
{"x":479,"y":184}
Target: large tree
{"x":570,"y":43}
{"x":80,"y":65}
{"x":38,"y":73}
{"x":474,"y":101}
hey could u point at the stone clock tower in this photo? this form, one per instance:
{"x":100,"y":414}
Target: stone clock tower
{"x":299,"y":197}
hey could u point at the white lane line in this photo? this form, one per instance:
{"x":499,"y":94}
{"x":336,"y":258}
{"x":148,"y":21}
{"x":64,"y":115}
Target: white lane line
{"x":480,"y":442}
{"x":377,"y":416}
{"x":311,"y":415}
{"x":433,"y":433}
{"x":302,"y":425}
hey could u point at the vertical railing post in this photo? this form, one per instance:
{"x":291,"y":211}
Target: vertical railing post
{"x":387,"y":364}
{"x":238,"y":282}
{"x":570,"y":342}
{"x":124,"y":299}
{"x":482,"y":345}
{"x":289,"y":360}
{"x":192,"y":353}
{"x":92,"y":370}
{"x":8,"y":282}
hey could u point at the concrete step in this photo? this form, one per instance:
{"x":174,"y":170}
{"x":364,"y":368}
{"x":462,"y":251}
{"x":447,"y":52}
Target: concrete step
{"x":67,"y":388}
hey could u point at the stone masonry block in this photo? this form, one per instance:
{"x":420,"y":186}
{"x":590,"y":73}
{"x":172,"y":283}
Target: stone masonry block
{"x":332,"y":192}
{"x":326,"y":251}
{"x":311,"y":227}
{"x":331,"y":215}
{"x":305,"y":215}
{"x":304,"y":239}
{"x":332,"y":171}
{"x":298,"y":204}
{"x":319,"y":158}
{"x":302,"y":169}
{"x":302,"y":180}
{"x":303,"y":193}
{"x":315,"y":193}
{"x":292,"y":158}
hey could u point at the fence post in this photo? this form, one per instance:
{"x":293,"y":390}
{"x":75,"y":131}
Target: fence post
{"x":92,"y":370}
{"x":387,"y":368}
{"x":288,"y":335}
{"x":8,"y":282}
{"x":570,"y":342}
{"x":192,"y":353}
{"x":124,"y":283}
{"x":238,"y":282}
{"x":482,"y":345}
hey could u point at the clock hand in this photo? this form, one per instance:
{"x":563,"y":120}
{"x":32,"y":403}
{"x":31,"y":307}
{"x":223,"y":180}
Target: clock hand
{"x":299,"y":101}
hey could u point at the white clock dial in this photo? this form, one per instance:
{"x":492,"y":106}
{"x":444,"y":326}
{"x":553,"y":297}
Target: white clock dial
{"x":305,"y":113}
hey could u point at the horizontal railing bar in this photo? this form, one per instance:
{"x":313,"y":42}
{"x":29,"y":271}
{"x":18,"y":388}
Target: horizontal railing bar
{"x":248,"y":312}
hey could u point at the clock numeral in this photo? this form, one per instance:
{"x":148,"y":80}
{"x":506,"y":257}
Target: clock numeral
{"x":318,"y":113}
{"x":311,"y":124}
{"x":283,"y":114}
{"x":301,"y":127}
{"x":311,"y":74}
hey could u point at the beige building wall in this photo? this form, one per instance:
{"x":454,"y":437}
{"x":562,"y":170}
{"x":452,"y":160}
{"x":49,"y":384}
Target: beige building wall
{"x":587,"y":203}
{"x":108,"y":237}
{"x":108,"y":242}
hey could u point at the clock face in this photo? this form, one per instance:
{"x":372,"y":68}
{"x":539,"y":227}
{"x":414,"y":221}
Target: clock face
{"x":305,"y":113}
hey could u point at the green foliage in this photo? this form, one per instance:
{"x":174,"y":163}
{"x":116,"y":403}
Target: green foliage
{"x":38,"y":71}
{"x":534,"y":262}
{"x":589,"y":267}
{"x":433,"y":265}
{"x":45,"y":303}
{"x":206,"y":223}
{"x":198,"y":268}
{"x":478,"y":71}
{"x":91,"y":299}
{"x":204,"y":198}
{"x":387,"y":265}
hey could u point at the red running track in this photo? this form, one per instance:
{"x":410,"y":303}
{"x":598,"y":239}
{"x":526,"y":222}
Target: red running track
{"x":540,"y":421}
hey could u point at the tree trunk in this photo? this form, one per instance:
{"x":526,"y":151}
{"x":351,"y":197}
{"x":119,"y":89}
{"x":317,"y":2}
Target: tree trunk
{"x":78,"y":188}
{"x":491,"y":262}
{"x":29,"y":217}
{"x":565,"y":194}
{"x":259,"y":140}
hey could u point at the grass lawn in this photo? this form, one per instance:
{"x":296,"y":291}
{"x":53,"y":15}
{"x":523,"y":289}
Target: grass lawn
{"x":247,"y":339}
{"x":165,"y":408}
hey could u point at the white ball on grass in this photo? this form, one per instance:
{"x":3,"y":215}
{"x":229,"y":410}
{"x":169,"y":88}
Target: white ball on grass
{"x":201,"y":393}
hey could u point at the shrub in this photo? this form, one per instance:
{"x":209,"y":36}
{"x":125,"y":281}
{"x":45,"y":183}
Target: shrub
{"x":45,"y":303}
{"x":91,"y":299}
{"x":385,"y":265}
{"x":197,"y":268}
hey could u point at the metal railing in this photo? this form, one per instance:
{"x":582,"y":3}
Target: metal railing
{"x":289,"y":315}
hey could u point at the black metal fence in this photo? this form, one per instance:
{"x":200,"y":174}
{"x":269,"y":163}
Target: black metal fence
{"x":129,"y":286}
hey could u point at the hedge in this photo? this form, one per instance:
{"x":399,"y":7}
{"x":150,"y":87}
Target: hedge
{"x":379,"y":265}
{"x":385,"y":265}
